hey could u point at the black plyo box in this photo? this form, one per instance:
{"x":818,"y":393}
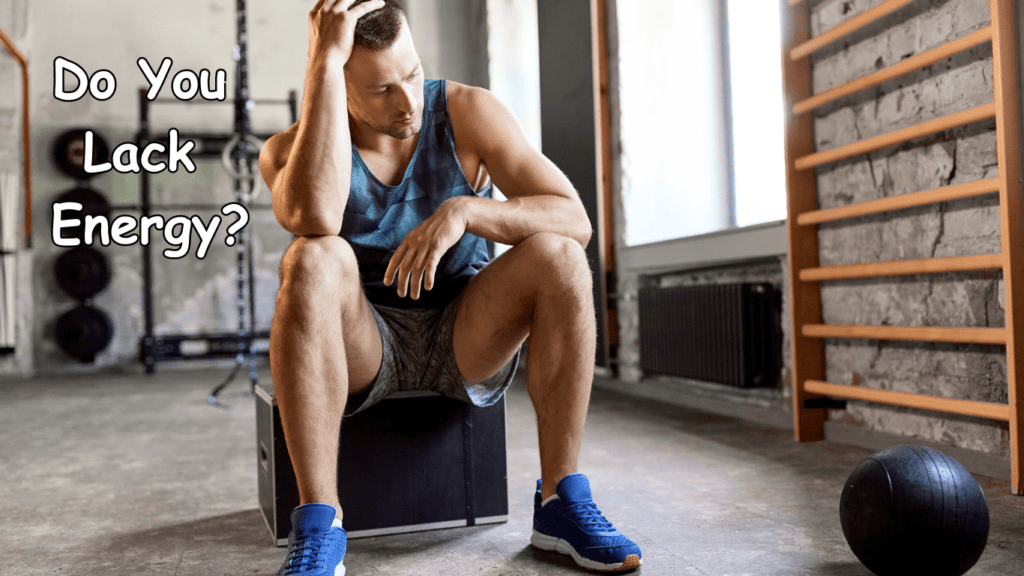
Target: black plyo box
{"x":414,"y":461}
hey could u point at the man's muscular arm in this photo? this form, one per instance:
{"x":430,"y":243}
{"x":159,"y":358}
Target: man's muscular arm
{"x":308,"y":167}
{"x":540,"y":197}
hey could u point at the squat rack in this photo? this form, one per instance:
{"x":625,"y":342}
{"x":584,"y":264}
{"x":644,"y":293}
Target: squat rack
{"x":805,"y":274}
{"x":154,"y":347}
{"x":239,"y":163}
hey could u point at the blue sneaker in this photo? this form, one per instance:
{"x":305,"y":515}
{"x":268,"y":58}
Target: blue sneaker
{"x":316,"y":544}
{"x":571,"y":524}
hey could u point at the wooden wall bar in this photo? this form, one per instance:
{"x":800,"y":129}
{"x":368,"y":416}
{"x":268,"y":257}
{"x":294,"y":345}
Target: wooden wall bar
{"x":804,"y":218}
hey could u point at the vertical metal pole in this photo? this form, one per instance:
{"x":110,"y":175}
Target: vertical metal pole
{"x":244,"y":156}
{"x":293,"y":105}
{"x":147,"y":269}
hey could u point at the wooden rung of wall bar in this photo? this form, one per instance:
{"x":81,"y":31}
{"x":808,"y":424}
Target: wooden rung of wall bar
{"x":918,"y":333}
{"x":847,"y":27}
{"x":913,"y":63}
{"x":937,"y":403}
{"x":898,"y":137}
{"x":976,"y":188}
{"x":902,"y":268}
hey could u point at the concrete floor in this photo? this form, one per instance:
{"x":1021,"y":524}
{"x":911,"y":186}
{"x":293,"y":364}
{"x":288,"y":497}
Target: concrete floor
{"x":134,"y":474}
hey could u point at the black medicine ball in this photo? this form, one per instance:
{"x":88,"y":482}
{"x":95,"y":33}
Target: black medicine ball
{"x":914,"y":510}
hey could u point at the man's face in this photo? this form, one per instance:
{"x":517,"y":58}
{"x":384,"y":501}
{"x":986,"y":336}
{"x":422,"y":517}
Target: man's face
{"x":385,"y":87}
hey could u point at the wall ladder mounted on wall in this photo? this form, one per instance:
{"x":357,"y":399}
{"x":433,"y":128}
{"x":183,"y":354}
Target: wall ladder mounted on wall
{"x":804,"y":218}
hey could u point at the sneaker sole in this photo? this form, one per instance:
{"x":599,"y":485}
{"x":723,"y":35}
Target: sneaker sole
{"x":552,"y":543}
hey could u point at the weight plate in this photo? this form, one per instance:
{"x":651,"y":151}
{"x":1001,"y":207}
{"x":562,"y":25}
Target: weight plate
{"x":82,"y":271}
{"x":69,"y":152}
{"x":83,"y":331}
{"x":93,"y":204}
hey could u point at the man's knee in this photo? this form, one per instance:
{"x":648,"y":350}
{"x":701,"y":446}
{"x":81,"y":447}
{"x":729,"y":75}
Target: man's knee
{"x":324,"y":262}
{"x":559,"y":262}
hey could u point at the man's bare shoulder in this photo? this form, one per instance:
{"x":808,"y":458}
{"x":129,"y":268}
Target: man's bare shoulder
{"x":465,"y":95}
{"x":477,"y":115}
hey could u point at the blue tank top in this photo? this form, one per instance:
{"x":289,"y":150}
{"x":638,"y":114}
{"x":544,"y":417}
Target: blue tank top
{"x":378,"y":217}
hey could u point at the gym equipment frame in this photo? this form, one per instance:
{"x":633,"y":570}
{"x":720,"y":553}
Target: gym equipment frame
{"x":238,"y":150}
{"x":209,"y":145}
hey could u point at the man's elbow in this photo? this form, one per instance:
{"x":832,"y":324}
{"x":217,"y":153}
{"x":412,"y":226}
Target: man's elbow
{"x":583,"y":237}
{"x":585,"y":229}
{"x":308,"y":223}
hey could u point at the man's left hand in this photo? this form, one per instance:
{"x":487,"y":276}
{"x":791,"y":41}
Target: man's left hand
{"x":417,"y":256}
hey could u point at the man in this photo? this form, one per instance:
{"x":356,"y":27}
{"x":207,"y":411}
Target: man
{"x":386,"y":179}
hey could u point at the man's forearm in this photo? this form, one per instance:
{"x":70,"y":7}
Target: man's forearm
{"x":514,"y":220}
{"x":313,"y":185}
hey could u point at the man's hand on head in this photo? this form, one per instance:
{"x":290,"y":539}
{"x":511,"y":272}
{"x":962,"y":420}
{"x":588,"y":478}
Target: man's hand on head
{"x":332,"y":25}
{"x":416,"y":259}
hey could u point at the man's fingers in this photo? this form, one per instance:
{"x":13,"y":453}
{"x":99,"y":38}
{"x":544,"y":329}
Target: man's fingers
{"x":428,"y":272}
{"x":411,"y":274}
{"x":403,"y":282}
{"x":396,"y":259}
{"x":319,"y":5}
{"x":397,"y":274}
{"x":365,"y":8}
{"x":329,"y":5}
{"x":418,"y":271}
{"x":415,"y":280}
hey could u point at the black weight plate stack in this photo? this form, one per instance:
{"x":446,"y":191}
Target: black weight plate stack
{"x":69,"y":152}
{"x":83,"y":272}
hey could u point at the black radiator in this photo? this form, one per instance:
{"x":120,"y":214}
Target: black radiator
{"x":728,"y":333}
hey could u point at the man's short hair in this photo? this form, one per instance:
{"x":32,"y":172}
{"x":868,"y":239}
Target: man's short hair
{"x":379,"y":29}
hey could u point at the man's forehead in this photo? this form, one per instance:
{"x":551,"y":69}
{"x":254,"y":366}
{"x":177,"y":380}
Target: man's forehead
{"x":395,"y":74}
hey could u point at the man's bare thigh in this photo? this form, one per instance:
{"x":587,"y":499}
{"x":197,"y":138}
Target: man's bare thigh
{"x":494,"y":316}
{"x":363,"y":349}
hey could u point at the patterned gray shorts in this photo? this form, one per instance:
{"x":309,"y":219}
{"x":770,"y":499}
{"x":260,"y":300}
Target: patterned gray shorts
{"x":418,"y":355}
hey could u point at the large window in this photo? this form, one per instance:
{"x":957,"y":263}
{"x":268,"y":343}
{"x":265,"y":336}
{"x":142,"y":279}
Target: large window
{"x":758,"y":131}
{"x":700,"y":86}
{"x":514,"y":67}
